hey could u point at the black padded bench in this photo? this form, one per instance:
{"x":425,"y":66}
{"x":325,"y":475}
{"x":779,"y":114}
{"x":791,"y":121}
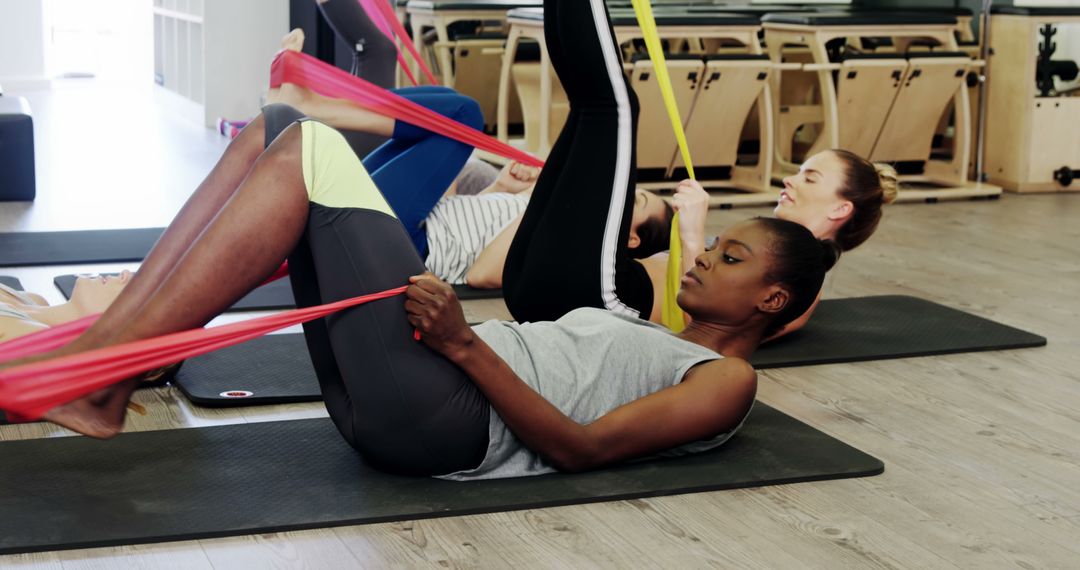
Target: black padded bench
{"x":17,"y":182}
{"x":859,"y":18}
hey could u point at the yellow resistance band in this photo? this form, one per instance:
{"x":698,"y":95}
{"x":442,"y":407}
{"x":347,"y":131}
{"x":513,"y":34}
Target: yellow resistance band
{"x":670,"y":313}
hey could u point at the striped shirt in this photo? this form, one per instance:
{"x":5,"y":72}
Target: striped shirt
{"x":460,"y":227}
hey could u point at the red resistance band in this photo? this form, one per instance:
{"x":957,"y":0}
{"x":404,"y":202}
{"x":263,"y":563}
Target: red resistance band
{"x":306,"y":71}
{"x":57,"y":336}
{"x":31,"y":390}
{"x":384,"y":18}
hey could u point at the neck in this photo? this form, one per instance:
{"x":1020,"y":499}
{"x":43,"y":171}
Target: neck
{"x":56,"y":314}
{"x":727,"y":340}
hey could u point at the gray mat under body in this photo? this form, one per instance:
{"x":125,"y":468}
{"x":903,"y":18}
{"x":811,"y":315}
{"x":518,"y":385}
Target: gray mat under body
{"x":276,"y":369}
{"x":75,"y":492}
{"x":64,"y":248}
{"x":12,"y":282}
{"x":272,"y":296}
{"x":885,"y":327}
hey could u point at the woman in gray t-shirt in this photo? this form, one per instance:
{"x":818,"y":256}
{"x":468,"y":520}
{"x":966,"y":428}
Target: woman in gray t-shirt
{"x":497,"y":400}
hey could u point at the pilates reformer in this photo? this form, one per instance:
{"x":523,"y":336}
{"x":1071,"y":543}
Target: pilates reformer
{"x":441,"y":14}
{"x":467,"y":62}
{"x":1033,"y":142}
{"x":734,"y":81}
{"x":885,"y":105}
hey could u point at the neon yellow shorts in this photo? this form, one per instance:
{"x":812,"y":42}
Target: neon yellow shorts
{"x":333,"y":174}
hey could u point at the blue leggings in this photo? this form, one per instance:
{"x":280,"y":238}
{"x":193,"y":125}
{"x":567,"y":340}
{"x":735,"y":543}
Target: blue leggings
{"x":415,"y":167}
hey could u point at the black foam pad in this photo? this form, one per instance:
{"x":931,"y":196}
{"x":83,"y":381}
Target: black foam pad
{"x":466,"y":293}
{"x":61,"y":248}
{"x":158,"y":486}
{"x":274,"y":295}
{"x":1036,"y":10}
{"x":276,"y":369}
{"x":859,"y":18}
{"x":884,"y":327}
{"x":680,"y":16}
{"x":12,"y":282}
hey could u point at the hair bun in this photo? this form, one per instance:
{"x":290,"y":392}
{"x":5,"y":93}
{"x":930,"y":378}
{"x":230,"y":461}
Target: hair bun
{"x":830,"y":253}
{"x":889,"y":180}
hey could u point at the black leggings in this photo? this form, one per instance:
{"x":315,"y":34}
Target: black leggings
{"x":375,"y":55}
{"x":571,"y":249}
{"x":403,"y":406}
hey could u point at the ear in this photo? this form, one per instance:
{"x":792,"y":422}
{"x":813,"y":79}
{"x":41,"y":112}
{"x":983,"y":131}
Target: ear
{"x":842,"y":211}
{"x":634,"y":241}
{"x":776,"y":299}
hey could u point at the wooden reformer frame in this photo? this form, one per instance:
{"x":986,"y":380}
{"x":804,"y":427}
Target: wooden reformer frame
{"x":1028,"y":137}
{"x":918,"y":87}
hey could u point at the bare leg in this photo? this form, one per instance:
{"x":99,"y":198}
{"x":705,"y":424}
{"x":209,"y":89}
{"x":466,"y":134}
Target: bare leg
{"x":337,"y":113}
{"x":193,"y":218}
{"x":246,"y":240}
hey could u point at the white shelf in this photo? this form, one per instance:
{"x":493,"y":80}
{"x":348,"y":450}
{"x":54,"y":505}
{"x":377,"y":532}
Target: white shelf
{"x":217,"y":54}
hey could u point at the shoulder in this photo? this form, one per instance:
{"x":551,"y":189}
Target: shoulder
{"x":727,"y":370}
{"x":15,"y":325}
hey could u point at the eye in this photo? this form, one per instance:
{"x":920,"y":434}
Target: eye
{"x":730,"y":260}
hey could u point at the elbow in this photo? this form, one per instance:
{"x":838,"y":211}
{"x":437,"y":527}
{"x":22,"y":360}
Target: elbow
{"x":572,"y":462}
{"x":576,"y":457}
{"x":482,"y":278}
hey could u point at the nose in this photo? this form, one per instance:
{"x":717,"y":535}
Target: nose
{"x":788,"y":181}
{"x":702,"y":261}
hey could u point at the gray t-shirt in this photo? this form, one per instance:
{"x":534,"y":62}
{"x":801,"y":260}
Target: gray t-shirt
{"x":586,"y":364}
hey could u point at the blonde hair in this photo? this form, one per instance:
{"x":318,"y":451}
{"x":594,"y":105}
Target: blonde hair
{"x":868,"y":186}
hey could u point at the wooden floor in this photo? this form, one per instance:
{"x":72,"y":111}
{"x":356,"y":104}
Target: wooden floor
{"x":982,"y":451}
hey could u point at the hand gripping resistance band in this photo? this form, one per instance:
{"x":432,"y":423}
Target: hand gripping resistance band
{"x":384,"y":18}
{"x":31,"y":390}
{"x":306,"y":71}
{"x":670,"y":314}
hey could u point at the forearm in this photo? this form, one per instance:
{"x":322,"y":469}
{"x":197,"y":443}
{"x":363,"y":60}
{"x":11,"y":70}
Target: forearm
{"x":486,"y":272}
{"x":534,"y":420}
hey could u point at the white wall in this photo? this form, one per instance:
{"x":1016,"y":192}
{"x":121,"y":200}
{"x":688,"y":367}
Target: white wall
{"x":22,"y":43}
{"x":241,"y":38}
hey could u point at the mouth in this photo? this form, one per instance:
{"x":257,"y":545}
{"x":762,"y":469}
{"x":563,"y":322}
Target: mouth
{"x":691,"y":277}
{"x":785,"y":197}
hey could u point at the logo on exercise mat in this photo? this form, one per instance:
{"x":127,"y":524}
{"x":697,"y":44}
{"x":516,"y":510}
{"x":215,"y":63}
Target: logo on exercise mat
{"x":236,"y":394}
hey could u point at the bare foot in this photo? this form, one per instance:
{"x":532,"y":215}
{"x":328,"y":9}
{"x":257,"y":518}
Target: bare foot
{"x":99,"y":415}
{"x":294,"y":40}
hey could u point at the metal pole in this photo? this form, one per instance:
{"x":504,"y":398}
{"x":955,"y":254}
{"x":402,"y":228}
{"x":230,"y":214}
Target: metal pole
{"x":984,"y":77}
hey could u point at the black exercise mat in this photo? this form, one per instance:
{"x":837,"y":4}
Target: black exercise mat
{"x":274,"y":369}
{"x":275,"y":295}
{"x":62,"y":248}
{"x":885,"y":327}
{"x":76,"y":492}
{"x":466,"y":293}
{"x":12,"y":282}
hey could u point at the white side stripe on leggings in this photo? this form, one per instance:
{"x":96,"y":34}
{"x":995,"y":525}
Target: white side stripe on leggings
{"x":623,"y":152}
